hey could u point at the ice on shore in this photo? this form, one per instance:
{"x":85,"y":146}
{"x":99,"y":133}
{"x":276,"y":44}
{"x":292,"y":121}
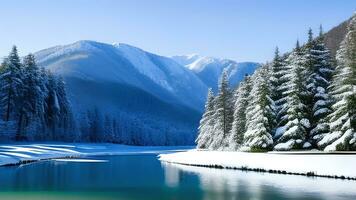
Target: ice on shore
{"x":25,"y":152}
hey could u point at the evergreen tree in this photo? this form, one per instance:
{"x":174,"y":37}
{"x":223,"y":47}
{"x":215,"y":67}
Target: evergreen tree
{"x":342,"y":120}
{"x":116,"y":131}
{"x":58,"y":113}
{"x":95,"y":125}
{"x":260,"y":117}
{"x":35,"y":92}
{"x":239,"y":117}
{"x":11,"y":85}
{"x":32,"y":107}
{"x":33,"y":101}
{"x":108,"y":128}
{"x":279,"y":76}
{"x":66,"y":121}
{"x":319,"y":82}
{"x":223,"y":114}
{"x":296,"y":128}
{"x":206,"y":123}
{"x":52,"y":106}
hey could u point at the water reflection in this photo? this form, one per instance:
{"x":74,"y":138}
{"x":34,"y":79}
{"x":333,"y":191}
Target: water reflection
{"x":234,"y":184}
{"x":144,"y":177}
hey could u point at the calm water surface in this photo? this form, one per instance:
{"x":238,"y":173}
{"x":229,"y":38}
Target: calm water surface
{"x":144,"y":177}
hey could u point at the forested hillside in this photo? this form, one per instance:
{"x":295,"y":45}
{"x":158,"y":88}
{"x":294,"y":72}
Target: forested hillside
{"x":33,"y":102}
{"x":301,"y":100}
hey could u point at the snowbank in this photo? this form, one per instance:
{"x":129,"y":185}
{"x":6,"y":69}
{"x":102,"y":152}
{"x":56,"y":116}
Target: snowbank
{"x":302,"y":163}
{"x":12,"y":154}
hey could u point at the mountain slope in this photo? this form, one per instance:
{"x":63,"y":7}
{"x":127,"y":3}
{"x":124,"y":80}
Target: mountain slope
{"x":155,"y":100}
{"x":334,"y":37}
{"x":125,"y":64}
{"x":209,"y":69}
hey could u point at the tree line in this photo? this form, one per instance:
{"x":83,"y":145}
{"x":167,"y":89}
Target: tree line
{"x":34,"y":106}
{"x":33,"y":101}
{"x":304,"y":99}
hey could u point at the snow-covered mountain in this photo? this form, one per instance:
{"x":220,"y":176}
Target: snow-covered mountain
{"x":209,"y":69}
{"x":161,"y":76}
{"x":143,"y":91}
{"x":155,"y":99}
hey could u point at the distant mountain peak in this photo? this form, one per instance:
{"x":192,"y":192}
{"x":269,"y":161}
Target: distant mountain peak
{"x":209,"y":69}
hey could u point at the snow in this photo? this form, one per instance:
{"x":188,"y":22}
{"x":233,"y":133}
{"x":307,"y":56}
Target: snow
{"x":22,"y":152}
{"x":307,"y":145}
{"x":305,"y":123}
{"x":280,"y":130}
{"x":199,"y":64}
{"x":209,"y":69}
{"x":123,"y":63}
{"x":342,"y":139}
{"x":295,"y":162}
{"x":339,"y":121}
{"x":125,"y":79}
{"x":186,"y":59}
{"x":330,"y":137}
{"x":140,"y":59}
{"x":321,"y":111}
{"x":284,"y":146}
{"x":292,"y":131}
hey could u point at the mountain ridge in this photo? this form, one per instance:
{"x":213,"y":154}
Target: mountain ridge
{"x":150,"y":95}
{"x":209,"y":69}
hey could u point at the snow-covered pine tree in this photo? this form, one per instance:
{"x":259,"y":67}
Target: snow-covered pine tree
{"x":205,"y":129}
{"x":260,"y":116}
{"x":319,"y":82}
{"x":2,"y":94}
{"x":11,"y":85}
{"x":33,"y":96}
{"x":52,"y":112}
{"x":12,"y":90}
{"x":223,"y":114}
{"x":278,"y":78}
{"x":66,"y":121}
{"x":296,"y":128}
{"x":342,"y":136}
{"x":239,"y":118}
{"x":32,"y":100}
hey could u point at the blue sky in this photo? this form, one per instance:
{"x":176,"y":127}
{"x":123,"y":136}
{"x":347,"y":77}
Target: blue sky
{"x":242,"y":30}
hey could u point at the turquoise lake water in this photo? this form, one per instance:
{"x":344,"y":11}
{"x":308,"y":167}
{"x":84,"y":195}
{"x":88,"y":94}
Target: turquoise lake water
{"x":134,"y":177}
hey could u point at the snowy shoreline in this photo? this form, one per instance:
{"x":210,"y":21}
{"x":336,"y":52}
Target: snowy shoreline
{"x":22,"y":153}
{"x":318,"y":164}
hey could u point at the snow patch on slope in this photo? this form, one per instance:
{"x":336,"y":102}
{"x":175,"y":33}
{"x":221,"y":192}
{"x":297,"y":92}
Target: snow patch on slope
{"x":209,"y":69}
{"x":144,"y":65}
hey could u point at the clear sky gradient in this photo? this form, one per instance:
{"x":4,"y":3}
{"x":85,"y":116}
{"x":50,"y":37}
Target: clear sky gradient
{"x":245,"y":30}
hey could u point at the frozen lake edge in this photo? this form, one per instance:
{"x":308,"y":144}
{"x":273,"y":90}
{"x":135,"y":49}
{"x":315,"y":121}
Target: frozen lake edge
{"x":337,"y":165}
{"x":23,"y":153}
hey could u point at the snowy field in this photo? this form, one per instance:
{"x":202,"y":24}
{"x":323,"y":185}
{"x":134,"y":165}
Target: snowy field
{"x":28,"y":152}
{"x":293,"y":162}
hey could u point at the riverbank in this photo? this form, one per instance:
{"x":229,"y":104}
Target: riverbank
{"x":22,"y":153}
{"x":318,"y":164}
